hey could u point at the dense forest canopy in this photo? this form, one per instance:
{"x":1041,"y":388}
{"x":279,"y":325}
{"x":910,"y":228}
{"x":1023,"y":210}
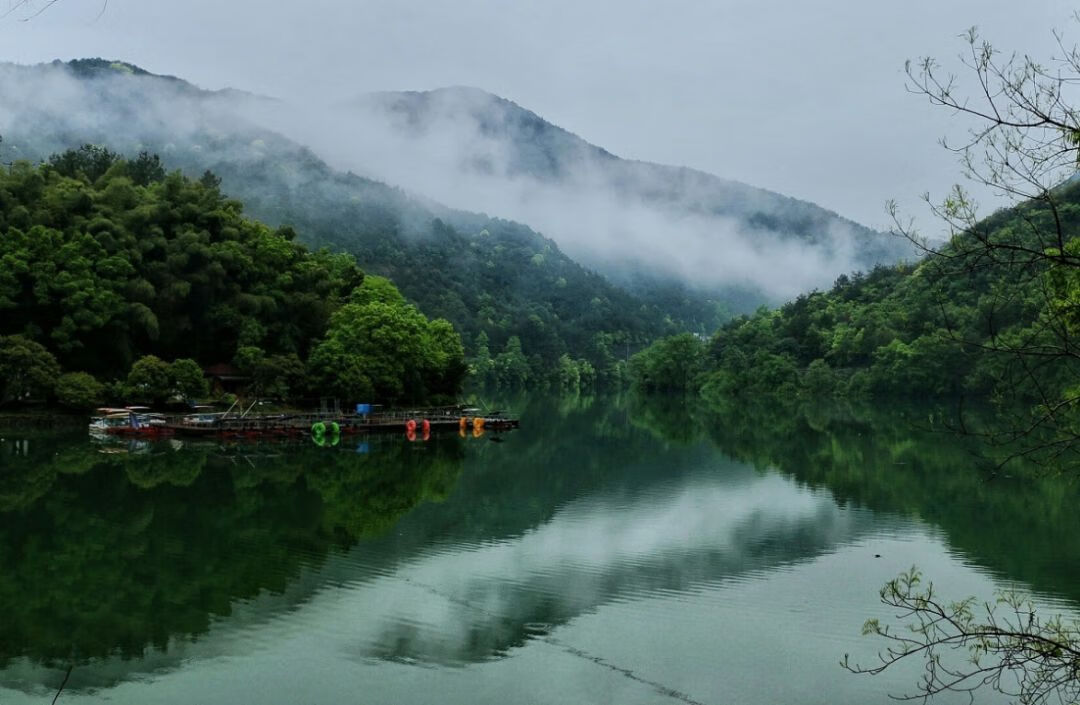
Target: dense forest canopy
{"x":105,"y":260}
{"x":922,"y":330}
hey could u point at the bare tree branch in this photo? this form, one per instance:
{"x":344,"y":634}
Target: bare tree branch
{"x":1005,"y":645}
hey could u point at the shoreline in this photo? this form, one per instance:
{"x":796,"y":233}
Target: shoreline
{"x":42,"y":419}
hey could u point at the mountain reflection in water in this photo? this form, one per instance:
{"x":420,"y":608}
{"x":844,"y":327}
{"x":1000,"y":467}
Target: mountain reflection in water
{"x":460,"y":551}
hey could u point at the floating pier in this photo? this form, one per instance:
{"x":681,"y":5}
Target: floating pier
{"x":286,"y":425}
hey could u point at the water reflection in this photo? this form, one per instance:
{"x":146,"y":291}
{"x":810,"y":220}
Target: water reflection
{"x":153,"y":558}
{"x":111,"y":554}
{"x":1020,"y":522}
{"x":694,"y":528}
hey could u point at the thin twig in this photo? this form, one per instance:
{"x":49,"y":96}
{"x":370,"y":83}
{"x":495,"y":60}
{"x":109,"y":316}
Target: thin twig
{"x":62,"y":684}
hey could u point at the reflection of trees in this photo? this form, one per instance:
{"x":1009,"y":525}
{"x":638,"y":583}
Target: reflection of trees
{"x":366,"y":496}
{"x":584,"y":470}
{"x":111,"y":554}
{"x":635,"y":449}
{"x":669,"y":417}
{"x":545,"y":582}
{"x":570,"y":445}
{"x":31,"y":466}
{"x":905,"y":460}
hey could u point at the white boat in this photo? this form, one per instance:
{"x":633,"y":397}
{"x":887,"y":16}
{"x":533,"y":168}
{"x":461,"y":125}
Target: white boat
{"x":108,"y":421}
{"x":128,"y":421}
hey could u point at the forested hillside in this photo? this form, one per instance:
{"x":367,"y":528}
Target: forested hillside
{"x":986,"y":317}
{"x":110,"y":267}
{"x":645,"y":225}
{"x":506,"y":289}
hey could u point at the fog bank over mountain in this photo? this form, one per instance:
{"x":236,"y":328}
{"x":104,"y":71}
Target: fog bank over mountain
{"x":473,"y":150}
{"x":644,"y":225}
{"x":495,"y":280}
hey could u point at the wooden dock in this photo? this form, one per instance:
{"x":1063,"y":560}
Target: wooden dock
{"x":286,"y":425}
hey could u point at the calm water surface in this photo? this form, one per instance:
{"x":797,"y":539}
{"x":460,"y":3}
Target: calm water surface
{"x":611,"y":551}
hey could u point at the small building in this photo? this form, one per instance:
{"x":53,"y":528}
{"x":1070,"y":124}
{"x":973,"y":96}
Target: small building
{"x":224,"y":378}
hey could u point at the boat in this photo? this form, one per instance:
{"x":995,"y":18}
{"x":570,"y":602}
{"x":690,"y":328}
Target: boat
{"x":146,"y":417}
{"x":107,"y":420}
{"x":128,"y":421}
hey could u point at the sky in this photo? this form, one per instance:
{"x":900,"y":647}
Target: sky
{"x":807,"y":99}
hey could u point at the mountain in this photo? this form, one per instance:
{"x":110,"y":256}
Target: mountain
{"x":679,"y":249}
{"x":635,"y":221}
{"x":991,"y":316}
{"x":486,"y":275}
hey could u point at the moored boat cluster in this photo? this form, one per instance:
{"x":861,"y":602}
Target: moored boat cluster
{"x":203,"y":421}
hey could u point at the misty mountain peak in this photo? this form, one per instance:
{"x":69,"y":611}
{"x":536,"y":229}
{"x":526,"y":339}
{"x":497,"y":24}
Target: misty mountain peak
{"x":538,"y":148}
{"x":100,"y":68}
{"x":110,"y":69}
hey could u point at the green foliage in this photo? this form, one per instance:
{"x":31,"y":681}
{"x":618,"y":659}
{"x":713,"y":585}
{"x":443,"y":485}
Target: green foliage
{"x":27,"y":369}
{"x":275,"y":376}
{"x":150,"y":379}
{"x":481,"y":274}
{"x":79,"y":390}
{"x":511,"y":369}
{"x":673,"y":364}
{"x":89,"y":162}
{"x":819,"y":381}
{"x":104,"y":261}
{"x":187,"y":379}
{"x":113,"y":266}
{"x":925,"y":330}
{"x":379,"y":347}
{"x":377,"y":290}
{"x":965,"y":644}
{"x":569,"y":375}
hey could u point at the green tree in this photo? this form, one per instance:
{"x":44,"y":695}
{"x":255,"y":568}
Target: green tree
{"x":278,"y":376}
{"x":338,"y":370}
{"x":511,"y":367}
{"x":482,"y":365}
{"x":385,"y":340}
{"x":1022,"y":262}
{"x":150,"y":379}
{"x":146,"y":169}
{"x":105,"y":260}
{"x":27,"y":369}
{"x":79,"y":390}
{"x":569,"y":374}
{"x":380,"y":346}
{"x":444,"y":355}
{"x":90,"y":161}
{"x":187,"y":379}
{"x":673,"y":364}
{"x":819,"y":380}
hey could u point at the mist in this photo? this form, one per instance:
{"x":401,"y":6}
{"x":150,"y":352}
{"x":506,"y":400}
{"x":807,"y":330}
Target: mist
{"x":468,"y":150}
{"x":623,"y":218}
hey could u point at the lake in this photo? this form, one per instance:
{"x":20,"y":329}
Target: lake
{"x":612,"y":550}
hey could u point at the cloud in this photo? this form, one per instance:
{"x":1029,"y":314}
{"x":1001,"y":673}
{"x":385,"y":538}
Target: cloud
{"x":473,"y":151}
{"x":464,"y":148}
